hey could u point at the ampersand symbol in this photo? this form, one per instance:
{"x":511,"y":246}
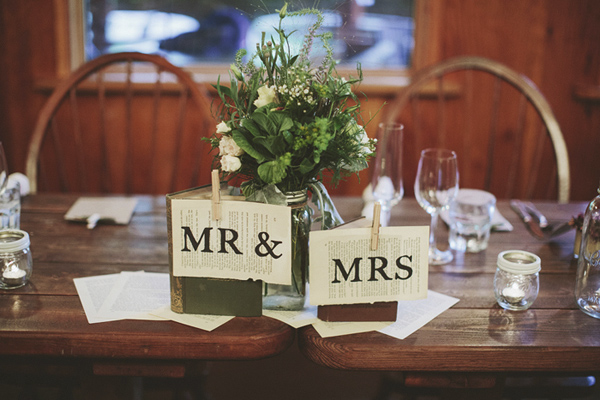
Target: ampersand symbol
{"x":264,"y":237}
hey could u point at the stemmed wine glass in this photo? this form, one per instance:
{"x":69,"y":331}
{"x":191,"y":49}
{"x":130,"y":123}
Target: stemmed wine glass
{"x":436,"y":185}
{"x":386,"y":178}
{"x":3,"y":171}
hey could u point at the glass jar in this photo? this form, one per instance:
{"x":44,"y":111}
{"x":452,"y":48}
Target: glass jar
{"x":15,"y":258}
{"x":587,"y":286}
{"x":516,"y":283}
{"x":292,"y":297}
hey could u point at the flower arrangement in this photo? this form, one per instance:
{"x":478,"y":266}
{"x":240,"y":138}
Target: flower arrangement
{"x":284,"y":121}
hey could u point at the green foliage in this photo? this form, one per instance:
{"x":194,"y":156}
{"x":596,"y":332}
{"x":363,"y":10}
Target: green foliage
{"x":291,"y":119}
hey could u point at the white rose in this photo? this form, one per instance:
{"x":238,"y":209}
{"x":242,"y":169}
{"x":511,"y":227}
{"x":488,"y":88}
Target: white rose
{"x":230,"y":163}
{"x":228,"y":147}
{"x":266,"y":95}
{"x":223,"y":128}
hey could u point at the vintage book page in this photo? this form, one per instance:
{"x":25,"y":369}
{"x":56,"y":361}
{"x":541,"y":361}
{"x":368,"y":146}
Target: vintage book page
{"x":200,"y":321}
{"x":344,"y":269}
{"x":250,"y":241}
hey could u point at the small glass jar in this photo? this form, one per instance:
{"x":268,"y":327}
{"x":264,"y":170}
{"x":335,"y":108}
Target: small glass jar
{"x":15,"y":258}
{"x":516,"y":283}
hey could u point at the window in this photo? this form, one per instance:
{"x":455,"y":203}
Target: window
{"x":378,"y":33}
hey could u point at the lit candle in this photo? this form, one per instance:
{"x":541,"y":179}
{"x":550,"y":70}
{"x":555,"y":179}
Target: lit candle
{"x":513,"y":294}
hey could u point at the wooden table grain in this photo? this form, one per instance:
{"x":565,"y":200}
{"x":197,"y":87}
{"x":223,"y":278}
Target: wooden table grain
{"x":476,"y":334}
{"x":45,"y":318}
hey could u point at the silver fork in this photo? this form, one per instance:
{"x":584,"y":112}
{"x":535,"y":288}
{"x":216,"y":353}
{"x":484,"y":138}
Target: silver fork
{"x":540,"y":229}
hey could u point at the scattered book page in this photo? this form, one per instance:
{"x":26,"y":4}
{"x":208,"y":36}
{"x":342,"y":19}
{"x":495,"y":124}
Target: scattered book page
{"x":200,"y":321}
{"x":93,"y":291}
{"x":136,"y":294}
{"x":345,"y":270}
{"x":114,"y":210}
{"x":295,"y":319}
{"x":249,"y":241}
{"x":330,"y":329}
{"x":414,"y":314}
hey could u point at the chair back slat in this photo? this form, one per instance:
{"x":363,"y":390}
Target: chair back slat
{"x":81,"y":161}
{"x":491,"y":115}
{"x":156,"y":94}
{"x":129,"y":123}
{"x":441,"y":112}
{"x":102,"y":108}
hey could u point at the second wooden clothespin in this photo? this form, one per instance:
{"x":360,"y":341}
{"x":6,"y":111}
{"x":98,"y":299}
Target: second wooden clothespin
{"x":375,"y":226}
{"x":216,"y":194}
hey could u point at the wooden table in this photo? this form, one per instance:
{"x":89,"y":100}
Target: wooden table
{"x":44,"y":320}
{"x":476,"y":334}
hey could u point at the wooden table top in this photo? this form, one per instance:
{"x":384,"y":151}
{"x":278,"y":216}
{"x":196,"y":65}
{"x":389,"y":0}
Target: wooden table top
{"x":476,"y":334}
{"x":45,"y":317}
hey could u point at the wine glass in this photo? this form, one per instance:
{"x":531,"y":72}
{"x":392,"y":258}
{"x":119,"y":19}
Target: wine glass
{"x":3,"y":170}
{"x":386,"y":178}
{"x":436,"y":186}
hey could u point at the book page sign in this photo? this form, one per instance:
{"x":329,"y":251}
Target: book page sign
{"x":344,"y":269}
{"x":249,"y":240}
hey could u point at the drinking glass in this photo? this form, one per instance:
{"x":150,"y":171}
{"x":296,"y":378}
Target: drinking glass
{"x":470,"y":217}
{"x":10,"y":198}
{"x":386,"y":178}
{"x":436,"y":186}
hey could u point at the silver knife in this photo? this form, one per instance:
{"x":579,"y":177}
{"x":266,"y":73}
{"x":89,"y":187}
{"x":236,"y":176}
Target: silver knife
{"x":536,"y":213}
{"x":531,"y":225}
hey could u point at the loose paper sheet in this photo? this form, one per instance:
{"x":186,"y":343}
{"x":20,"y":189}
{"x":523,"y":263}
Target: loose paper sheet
{"x":295,"y":319}
{"x":92,"y":292}
{"x":414,"y":314}
{"x":250,"y":241}
{"x":344,"y":269}
{"x":330,"y":329}
{"x":135,"y":295}
{"x":117,"y":210}
{"x":200,"y":321}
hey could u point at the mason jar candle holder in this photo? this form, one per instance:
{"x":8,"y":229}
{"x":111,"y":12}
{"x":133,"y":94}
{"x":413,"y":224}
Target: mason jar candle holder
{"x":516,"y":282}
{"x":15,"y":258}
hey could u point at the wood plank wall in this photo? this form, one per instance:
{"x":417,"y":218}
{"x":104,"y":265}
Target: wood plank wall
{"x":554,"y":42}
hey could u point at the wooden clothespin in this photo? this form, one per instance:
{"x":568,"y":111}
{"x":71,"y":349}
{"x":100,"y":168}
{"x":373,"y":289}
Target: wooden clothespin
{"x":375,"y":226}
{"x":216,"y":194}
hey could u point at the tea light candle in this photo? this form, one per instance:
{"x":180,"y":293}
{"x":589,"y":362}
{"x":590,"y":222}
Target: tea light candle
{"x":513,"y":294}
{"x":15,"y":258}
{"x":516,"y":282}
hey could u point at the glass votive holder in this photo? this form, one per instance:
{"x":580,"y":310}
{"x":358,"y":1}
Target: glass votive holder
{"x":517,"y":283}
{"x":15,"y":258}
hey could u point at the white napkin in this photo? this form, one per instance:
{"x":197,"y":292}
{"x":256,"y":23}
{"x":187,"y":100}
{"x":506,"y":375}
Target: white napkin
{"x":20,"y":179}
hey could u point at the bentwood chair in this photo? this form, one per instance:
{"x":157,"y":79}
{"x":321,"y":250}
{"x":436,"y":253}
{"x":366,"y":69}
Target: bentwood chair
{"x":122,"y":123}
{"x":502,"y":128}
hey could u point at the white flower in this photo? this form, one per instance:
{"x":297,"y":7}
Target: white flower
{"x":230,"y":163}
{"x":228,"y":147}
{"x":223,"y":128}
{"x":266,"y":95}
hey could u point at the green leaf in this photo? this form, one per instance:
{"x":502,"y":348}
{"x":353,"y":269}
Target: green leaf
{"x":272,"y":172}
{"x":288,"y":136}
{"x":274,"y":144}
{"x":245,"y":145}
{"x":265,"y":123}
{"x":306,"y":166}
{"x":286,"y":124}
{"x":252,"y":128}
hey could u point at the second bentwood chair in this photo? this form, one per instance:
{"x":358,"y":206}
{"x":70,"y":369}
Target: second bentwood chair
{"x":122,"y":123}
{"x":502,"y":128}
